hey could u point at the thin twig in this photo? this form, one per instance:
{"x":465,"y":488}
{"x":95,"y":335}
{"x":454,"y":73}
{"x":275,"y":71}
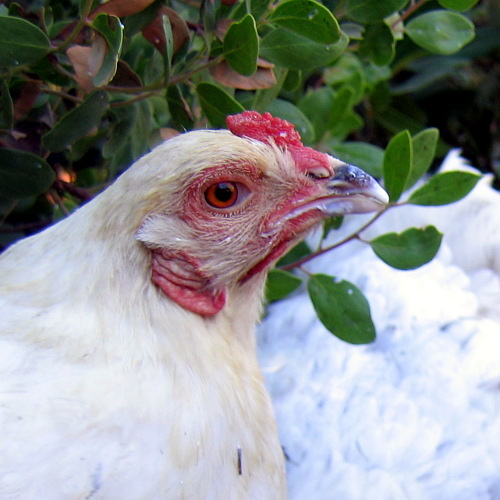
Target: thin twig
{"x":353,"y":236}
{"x":408,"y":12}
{"x":127,"y":102}
{"x":79,"y":192}
{"x":189,"y":74}
{"x":59,"y":202}
{"x":78,"y":27}
{"x":64,"y":95}
{"x":8,"y":211}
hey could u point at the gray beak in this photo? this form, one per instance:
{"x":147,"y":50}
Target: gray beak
{"x":353,"y":191}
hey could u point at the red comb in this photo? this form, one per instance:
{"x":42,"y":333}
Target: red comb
{"x":264,"y":128}
{"x":267,"y":128}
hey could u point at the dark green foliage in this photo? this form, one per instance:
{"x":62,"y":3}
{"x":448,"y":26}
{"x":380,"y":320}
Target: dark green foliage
{"x":88,"y":87}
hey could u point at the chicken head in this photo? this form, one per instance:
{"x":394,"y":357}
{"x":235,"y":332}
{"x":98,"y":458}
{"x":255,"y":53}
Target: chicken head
{"x":258,"y":191}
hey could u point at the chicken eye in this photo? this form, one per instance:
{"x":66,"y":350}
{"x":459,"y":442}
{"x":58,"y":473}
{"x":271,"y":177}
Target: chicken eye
{"x":222,"y":194}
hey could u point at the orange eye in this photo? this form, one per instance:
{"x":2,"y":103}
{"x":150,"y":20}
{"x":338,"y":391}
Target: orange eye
{"x":222,"y":194}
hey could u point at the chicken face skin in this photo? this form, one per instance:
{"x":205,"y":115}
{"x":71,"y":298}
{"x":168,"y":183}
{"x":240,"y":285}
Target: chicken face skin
{"x":271,"y":198}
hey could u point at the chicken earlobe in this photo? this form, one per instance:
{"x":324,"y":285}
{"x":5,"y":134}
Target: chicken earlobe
{"x":179,"y":277}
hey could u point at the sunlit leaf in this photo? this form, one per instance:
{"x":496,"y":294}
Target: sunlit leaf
{"x":441,"y":31}
{"x":424,"y":150}
{"x":444,"y":188}
{"x":408,"y":250}
{"x":397,"y":164}
{"x":307,"y":18}
{"x":342,"y":308}
{"x":241,"y":46}
{"x":460,"y":5}
{"x":277,"y":45}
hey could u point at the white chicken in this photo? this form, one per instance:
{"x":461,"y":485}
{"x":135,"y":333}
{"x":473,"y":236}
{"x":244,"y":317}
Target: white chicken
{"x":127,"y":352}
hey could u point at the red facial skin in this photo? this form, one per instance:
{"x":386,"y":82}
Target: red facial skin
{"x":181,"y":276}
{"x":178,"y":275}
{"x":261,"y":214}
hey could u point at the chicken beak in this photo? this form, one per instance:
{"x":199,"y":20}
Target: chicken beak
{"x":352,"y":191}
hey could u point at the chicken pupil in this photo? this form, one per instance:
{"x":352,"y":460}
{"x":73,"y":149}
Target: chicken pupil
{"x":225,"y":191}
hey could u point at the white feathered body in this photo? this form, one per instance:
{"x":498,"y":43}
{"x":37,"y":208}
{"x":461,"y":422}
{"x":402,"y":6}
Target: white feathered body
{"x":110,"y":391}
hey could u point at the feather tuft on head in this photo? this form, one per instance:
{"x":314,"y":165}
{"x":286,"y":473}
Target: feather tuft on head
{"x":264,"y":128}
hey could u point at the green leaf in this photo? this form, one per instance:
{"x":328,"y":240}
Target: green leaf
{"x":307,"y":18}
{"x":460,"y":5}
{"x":339,"y":132}
{"x":317,"y":106}
{"x":366,"y":156}
{"x":342,"y":308}
{"x":77,"y":122}
{"x":178,"y":108}
{"x":111,"y":29}
{"x":287,"y":111}
{"x":397,"y":164}
{"x":263,"y":97}
{"x":6,"y":107}
{"x":21,"y":42}
{"x":296,"y":253}
{"x":429,"y":71}
{"x":343,"y":102}
{"x":23,"y":174}
{"x":441,"y":31}
{"x":332,"y":223}
{"x":444,"y":188}
{"x":377,"y":44}
{"x":408,"y":250}
{"x":217,"y":103}
{"x":280,"y":284}
{"x":366,"y":11}
{"x":169,"y":46}
{"x":121,"y":122}
{"x":241,"y":46}
{"x":306,"y":54}
{"x":327,"y":109}
{"x":348,"y":72}
{"x":424,"y":150}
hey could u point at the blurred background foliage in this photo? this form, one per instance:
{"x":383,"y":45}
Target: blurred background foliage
{"x":87,"y":87}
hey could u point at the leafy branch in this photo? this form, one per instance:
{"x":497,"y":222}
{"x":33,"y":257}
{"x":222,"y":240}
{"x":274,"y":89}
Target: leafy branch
{"x":85,"y":93}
